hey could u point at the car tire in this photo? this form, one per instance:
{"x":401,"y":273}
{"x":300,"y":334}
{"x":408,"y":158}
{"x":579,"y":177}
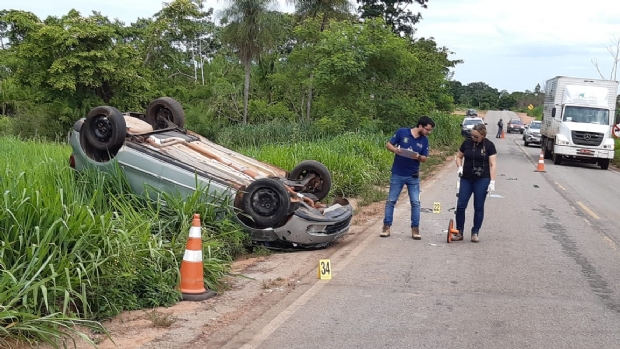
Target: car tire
{"x":105,"y":128}
{"x":320,"y":185}
{"x":267,"y":202}
{"x":165,"y":108}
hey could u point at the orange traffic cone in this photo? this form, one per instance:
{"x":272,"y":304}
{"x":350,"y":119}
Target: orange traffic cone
{"x":503,"y":134}
{"x":192,"y":282}
{"x":541,"y":162}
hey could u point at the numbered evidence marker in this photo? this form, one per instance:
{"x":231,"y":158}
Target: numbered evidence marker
{"x":325,"y":269}
{"x":436,"y":207}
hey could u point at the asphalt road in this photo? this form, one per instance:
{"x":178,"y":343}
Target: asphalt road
{"x":544,"y":275}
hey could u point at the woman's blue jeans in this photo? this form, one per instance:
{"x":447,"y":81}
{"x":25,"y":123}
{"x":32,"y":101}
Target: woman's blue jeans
{"x":396,"y":186}
{"x":478,"y":187}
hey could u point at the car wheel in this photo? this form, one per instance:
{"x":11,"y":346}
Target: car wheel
{"x":267,"y":202}
{"x":105,"y":128}
{"x":319,"y":184}
{"x":162,"y":109}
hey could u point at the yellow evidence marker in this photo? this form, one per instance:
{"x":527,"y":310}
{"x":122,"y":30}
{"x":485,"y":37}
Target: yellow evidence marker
{"x":436,"y":207}
{"x":325,"y":269}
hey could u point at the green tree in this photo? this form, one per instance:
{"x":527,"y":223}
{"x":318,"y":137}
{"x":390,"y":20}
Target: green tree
{"x":395,"y":13}
{"x":177,"y":39}
{"x":80,"y":60}
{"x":506,"y":102}
{"x":248,"y":31}
{"x":327,"y":9}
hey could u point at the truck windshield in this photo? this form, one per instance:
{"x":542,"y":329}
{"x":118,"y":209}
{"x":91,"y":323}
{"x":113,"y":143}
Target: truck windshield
{"x":586,"y":115}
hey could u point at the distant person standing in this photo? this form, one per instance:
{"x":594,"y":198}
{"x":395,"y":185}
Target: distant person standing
{"x":500,"y":128}
{"x":410,"y":146}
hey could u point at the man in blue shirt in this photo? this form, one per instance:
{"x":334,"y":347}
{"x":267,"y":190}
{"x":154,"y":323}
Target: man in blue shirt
{"x":410,"y":146}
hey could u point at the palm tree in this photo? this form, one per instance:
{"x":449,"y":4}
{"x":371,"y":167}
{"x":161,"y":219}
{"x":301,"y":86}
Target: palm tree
{"x":328,"y":9}
{"x":249,"y":31}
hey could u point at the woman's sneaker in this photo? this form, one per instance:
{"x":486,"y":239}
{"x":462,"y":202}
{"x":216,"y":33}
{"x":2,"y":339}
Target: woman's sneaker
{"x":474,"y":238}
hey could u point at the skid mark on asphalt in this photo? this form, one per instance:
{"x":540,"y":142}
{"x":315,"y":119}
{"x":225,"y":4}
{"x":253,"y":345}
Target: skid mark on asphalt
{"x":597,"y":284}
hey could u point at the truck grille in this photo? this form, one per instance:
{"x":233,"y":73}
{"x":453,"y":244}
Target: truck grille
{"x":587,"y":138}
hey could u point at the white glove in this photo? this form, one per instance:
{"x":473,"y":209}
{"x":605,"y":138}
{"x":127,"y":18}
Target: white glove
{"x":491,"y":187}
{"x":459,"y":172}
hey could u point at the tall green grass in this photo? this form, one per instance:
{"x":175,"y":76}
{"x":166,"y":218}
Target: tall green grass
{"x":75,"y":248}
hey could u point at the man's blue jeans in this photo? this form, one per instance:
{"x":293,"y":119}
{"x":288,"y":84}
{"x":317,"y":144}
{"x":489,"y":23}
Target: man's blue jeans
{"x":396,"y":186}
{"x":478,"y":187}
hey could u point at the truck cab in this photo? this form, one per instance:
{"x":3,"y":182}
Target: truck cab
{"x":577,"y":119}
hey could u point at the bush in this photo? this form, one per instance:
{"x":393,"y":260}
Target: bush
{"x":6,"y":126}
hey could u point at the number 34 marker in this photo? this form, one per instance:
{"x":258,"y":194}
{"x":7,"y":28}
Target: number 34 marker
{"x":325,"y":269}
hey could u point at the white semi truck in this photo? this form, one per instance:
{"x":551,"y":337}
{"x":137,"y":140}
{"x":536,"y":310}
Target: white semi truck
{"x":578,"y":116}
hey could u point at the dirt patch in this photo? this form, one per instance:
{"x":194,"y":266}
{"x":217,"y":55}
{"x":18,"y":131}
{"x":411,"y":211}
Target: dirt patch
{"x":525,"y":118}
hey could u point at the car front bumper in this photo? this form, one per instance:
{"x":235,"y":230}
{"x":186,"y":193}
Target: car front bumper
{"x":309,"y":228}
{"x":533,"y":138}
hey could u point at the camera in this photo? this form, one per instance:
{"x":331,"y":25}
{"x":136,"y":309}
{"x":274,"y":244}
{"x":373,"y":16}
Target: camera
{"x":478,"y":172}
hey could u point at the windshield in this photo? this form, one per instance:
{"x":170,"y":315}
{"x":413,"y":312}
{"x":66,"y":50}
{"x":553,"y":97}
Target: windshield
{"x":586,"y":115}
{"x":516,"y":122}
{"x":471,"y":122}
{"x":535,"y":125}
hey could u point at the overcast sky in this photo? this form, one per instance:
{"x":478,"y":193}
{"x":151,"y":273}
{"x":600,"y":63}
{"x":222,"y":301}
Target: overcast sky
{"x":511,"y":45}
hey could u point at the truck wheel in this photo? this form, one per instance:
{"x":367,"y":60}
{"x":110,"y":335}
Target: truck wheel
{"x":162,"y":109}
{"x":105,"y":128}
{"x":604,"y":163}
{"x":546,"y":148}
{"x":557,"y":159}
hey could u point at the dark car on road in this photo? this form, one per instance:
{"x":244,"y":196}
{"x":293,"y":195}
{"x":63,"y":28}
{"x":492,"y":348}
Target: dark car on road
{"x":515,"y":125}
{"x":154,"y":150}
{"x":471,"y":113}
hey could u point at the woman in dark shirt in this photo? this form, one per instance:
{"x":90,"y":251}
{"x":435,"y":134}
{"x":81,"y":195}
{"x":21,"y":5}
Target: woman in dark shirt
{"x":476,"y":167}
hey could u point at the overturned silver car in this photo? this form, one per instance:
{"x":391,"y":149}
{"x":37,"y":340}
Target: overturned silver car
{"x":154,"y":150}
